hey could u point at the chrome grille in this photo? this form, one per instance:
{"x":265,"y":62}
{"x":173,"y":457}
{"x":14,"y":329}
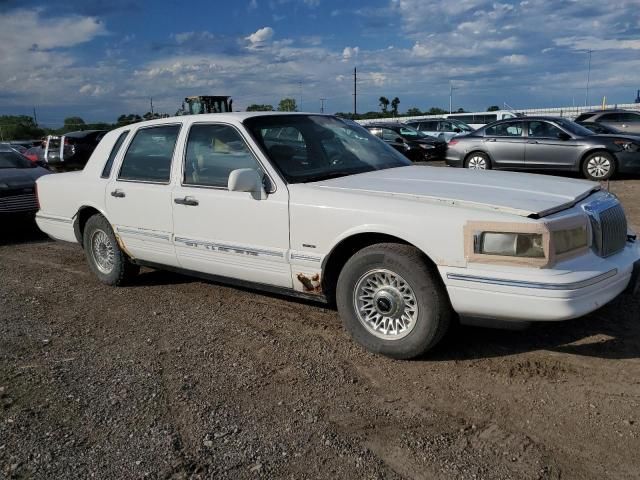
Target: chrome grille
{"x":613,"y":231}
{"x":19,"y":203}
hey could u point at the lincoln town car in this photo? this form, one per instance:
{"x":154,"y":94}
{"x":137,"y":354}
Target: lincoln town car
{"x":316,"y":207}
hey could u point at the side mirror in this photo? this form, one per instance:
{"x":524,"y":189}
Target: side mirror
{"x":564,"y":136}
{"x":457,"y":130}
{"x":247,"y":180}
{"x":399,"y":140}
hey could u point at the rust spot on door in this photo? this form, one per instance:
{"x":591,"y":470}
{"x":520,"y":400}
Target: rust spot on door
{"x":310,"y":284}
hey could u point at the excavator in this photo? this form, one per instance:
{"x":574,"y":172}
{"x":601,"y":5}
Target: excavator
{"x":206,"y":104}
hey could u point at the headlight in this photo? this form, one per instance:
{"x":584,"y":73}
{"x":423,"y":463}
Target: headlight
{"x":627,"y":145}
{"x":529,"y":244}
{"x":525,"y":245}
{"x":426,"y":146}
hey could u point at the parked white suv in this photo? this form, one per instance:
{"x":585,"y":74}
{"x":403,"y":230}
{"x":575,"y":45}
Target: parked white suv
{"x":331,"y":212}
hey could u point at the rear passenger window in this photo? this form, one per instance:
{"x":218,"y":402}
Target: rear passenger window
{"x":148,"y":158}
{"x":505,"y":130}
{"x":214,"y":151}
{"x":106,"y":171}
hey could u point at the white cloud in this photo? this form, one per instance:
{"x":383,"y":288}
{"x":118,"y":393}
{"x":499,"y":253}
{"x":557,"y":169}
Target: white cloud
{"x":349,"y":53}
{"x":253,"y":4}
{"x":514,"y":59}
{"x":259,"y":38}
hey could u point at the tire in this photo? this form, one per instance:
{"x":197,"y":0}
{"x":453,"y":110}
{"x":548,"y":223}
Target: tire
{"x":105,"y":257}
{"x":598,"y":166}
{"x":417,"y":296}
{"x":477,"y":161}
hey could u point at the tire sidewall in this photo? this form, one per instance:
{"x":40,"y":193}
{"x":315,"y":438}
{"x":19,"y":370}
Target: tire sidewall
{"x":612,"y":170}
{"x":478,"y":154}
{"x":98,"y":222}
{"x":429,"y":301}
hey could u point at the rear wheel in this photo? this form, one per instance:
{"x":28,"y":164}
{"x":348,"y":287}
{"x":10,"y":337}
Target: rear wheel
{"x":478,"y":161}
{"x":106,"y":259}
{"x":599,"y":166}
{"x":392,"y":302}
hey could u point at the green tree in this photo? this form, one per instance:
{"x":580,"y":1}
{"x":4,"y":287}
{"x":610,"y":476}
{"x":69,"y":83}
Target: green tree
{"x":384,"y":104}
{"x":287,"y":105}
{"x":128,"y":119}
{"x":19,"y":127}
{"x":413,"y":112}
{"x":256,"y":107}
{"x":461,"y":110}
{"x":493,"y":108}
{"x":437,"y":111}
{"x":71,"y":124}
{"x":394,"y":106}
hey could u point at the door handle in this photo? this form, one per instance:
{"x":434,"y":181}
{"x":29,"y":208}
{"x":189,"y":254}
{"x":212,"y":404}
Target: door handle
{"x":532,"y":141}
{"x":118,"y":193}
{"x":490,"y":140}
{"x":189,"y":201}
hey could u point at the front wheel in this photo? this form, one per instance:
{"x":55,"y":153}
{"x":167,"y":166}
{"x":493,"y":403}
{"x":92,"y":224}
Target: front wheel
{"x":106,"y":259}
{"x":478,"y":161}
{"x":392,"y":302}
{"x":598,"y":166}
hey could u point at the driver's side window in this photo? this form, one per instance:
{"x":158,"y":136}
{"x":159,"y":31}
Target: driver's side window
{"x":389,"y":135}
{"x":213,"y":152}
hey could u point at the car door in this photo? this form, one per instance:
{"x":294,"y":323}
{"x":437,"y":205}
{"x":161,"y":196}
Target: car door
{"x":548,"y":146}
{"x":505,"y":144}
{"x":628,"y":122}
{"x":138,"y":198}
{"x":225,"y":233}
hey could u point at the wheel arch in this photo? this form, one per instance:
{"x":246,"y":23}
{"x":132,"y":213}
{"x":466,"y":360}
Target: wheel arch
{"x":584,"y":156}
{"x":346,"y":247}
{"x":80,"y":219}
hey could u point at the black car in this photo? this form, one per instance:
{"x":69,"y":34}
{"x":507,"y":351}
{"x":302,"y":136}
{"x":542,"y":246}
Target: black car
{"x":602,"y":129}
{"x":18,"y":177}
{"x":76,"y":149}
{"x":415,"y":145}
{"x":545,"y":143}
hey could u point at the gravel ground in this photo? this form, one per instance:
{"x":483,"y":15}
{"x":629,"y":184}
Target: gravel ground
{"x":174,"y":377}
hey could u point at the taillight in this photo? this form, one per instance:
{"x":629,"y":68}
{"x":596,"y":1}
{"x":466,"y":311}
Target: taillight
{"x":452,"y":142}
{"x":33,"y":157}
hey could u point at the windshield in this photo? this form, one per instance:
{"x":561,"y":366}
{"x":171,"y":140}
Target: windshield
{"x":412,"y":132}
{"x":461,"y":125}
{"x":14,"y":160}
{"x":309,"y":148}
{"x":573,"y":127}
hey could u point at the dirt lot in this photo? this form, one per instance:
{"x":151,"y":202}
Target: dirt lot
{"x":178,"y":378}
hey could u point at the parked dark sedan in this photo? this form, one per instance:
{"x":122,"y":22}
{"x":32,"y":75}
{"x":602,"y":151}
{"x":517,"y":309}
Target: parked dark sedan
{"x":415,"y":145}
{"x":545,"y":143}
{"x":76,"y":149}
{"x":18,"y":177}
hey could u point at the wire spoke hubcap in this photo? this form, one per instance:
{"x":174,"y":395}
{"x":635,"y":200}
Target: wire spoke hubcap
{"x":385,"y":304}
{"x":598,"y":167}
{"x":102,"y":251}
{"x":477,"y":163}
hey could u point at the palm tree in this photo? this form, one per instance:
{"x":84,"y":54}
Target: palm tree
{"x":394,"y":106}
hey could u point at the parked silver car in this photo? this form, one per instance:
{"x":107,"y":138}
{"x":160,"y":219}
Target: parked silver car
{"x":442,"y":128}
{"x":547,"y":143}
{"x":626,"y":121}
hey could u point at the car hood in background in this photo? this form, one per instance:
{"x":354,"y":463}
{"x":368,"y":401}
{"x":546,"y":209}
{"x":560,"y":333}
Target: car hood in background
{"x":523,"y":194}
{"x":21,"y":177}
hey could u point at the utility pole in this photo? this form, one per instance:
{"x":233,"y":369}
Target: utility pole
{"x":151,"y":101}
{"x":300,"y":106}
{"x":451,"y":89}
{"x":355,"y":91}
{"x":35,"y":117}
{"x":322,"y":100}
{"x":586,"y":97}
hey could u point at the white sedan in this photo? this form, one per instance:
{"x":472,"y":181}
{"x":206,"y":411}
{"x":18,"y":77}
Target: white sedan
{"x":313,"y":206}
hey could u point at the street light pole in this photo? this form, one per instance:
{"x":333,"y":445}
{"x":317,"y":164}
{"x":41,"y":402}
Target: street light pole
{"x":586,"y":97}
{"x":451,"y":89}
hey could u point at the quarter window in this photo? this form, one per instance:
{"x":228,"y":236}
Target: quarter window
{"x":629,"y":117}
{"x":543,"y":130}
{"x":148,"y":158}
{"x":214,"y":151}
{"x":106,"y":171}
{"x":505,"y":130}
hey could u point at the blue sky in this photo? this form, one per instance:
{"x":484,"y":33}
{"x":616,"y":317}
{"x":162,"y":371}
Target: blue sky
{"x":100,"y":59}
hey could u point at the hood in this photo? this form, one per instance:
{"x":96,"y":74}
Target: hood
{"x":619,"y":136}
{"x":523,"y":194}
